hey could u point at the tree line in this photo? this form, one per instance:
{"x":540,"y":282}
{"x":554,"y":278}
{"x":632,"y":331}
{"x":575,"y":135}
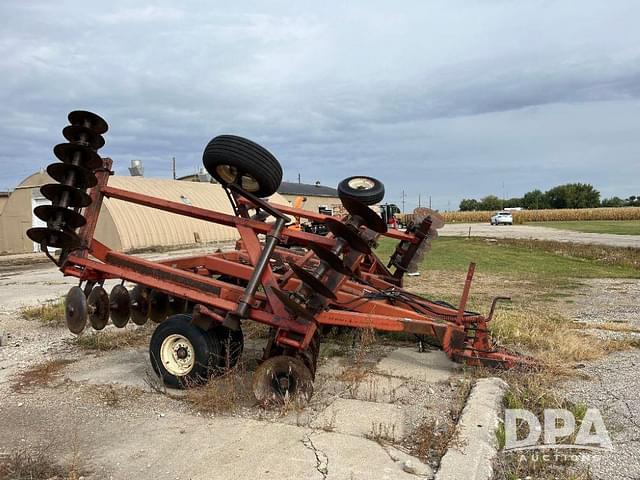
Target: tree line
{"x":569,"y":195}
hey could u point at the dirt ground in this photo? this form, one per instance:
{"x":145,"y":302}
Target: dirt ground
{"x":99,"y":414}
{"x":538,"y":233}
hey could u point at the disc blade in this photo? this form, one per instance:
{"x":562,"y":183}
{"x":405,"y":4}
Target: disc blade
{"x":315,"y":284}
{"x":77,"y":154}
{"x":69,"y":218}
{"x":84,"y":136}
{"x":331,"y":259}
{"x":177,"y":305}
{"x":74,"y":175}
{"x":120,"y":306}
{"x":75,"y":198}
{"x":294,"y":307}
{"x":349,"y":234}
{"x":139,"y":305}
{"x":158,"y":306}
{"x":283,"y":379}
{"x":421,"y":213}
{"x":98,"y":303}
{"x":88,"y":119}
{"x":370,"y":219}
{"x":54,"y":238}
{"x":75,"y":310}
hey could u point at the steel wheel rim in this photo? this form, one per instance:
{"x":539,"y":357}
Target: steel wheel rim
{"x":230,"y":174}
{"x":177,"y":355}
{"x":361,"y":183}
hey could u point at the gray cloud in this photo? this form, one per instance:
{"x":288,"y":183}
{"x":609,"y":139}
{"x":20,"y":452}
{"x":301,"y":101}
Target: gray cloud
{"x":447,"y":99}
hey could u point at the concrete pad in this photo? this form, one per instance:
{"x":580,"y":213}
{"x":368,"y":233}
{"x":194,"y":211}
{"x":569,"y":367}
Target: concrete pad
{"x":356,"y":417}
{"x":125,"y":367}
{"x":409,"y":463}
{"x":187,"y":447}
{"x":432,"y":366}
{"x":471,"y":456}
{"x":378,"y":388}
{"x":347,"y":457}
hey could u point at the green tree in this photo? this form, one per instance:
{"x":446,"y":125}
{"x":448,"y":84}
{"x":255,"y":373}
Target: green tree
{"x":468,"y":205}
{"x":613,"y":202}
{"x":490,"y":202}
{"x":535,"y":200}
{"x":573,"y":195}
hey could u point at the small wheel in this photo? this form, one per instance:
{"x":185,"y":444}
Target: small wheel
{"x":283,"y":379}
{"x":368,"y":190}
{"x":232,"y":344}
{"x":231,"y":159}
{"x":183,"y":354}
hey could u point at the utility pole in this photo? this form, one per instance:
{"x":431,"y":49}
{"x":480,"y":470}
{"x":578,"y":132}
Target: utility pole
{"x":429,"y":202}
{"x":403,"y":195}
{"x":419,"y":198}
{"x":173,"y":160}
{"x":299,"y":178}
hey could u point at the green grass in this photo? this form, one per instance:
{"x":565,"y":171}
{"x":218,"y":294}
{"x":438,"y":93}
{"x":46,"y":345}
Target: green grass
{"x":455,"y":254}
{"x":618,"y":227}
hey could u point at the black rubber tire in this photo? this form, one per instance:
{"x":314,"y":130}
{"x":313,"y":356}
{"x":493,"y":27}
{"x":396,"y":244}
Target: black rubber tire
{"x":206,"y":352}
{"x":368,"y":196}
{"x":246,"y":157}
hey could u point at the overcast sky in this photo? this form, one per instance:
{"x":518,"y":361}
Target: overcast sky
{"x":448,"y":99}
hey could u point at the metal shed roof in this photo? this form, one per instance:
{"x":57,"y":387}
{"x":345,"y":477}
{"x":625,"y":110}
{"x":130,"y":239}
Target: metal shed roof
{"x":292,"y":188}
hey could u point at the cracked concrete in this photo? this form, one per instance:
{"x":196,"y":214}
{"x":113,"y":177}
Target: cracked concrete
{"x":144,"y":435}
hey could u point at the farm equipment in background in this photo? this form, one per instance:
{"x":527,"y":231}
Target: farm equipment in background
{"x":201,"y":302}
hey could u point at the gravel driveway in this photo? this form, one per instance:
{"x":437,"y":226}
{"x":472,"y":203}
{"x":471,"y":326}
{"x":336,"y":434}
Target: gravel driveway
{"x":538,"y":233}
{"x":613,"y":382}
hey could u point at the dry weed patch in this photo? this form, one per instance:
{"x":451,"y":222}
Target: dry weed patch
{"x":50,"y":313}
{"x":114,"y":340}
{"x":39,"y":375}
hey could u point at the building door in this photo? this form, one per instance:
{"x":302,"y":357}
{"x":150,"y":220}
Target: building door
{"x":36,"y":200}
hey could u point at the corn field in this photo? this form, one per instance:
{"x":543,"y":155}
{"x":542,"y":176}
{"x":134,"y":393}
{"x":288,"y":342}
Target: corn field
{"x":524,"y":216}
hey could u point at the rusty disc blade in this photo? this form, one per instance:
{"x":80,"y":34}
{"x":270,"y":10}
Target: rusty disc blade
{"x":331,"y":259}
{"x":74,"y":175}
{"x":176,"y":305}
{"x":422,"y":212}
{"x":75,"y":310}
{"x":139,"y":305}
{"x":370,"y":219}
{"x":158,"y":306}
{"x":88,"y":119}
{"x":120,"y":306}
{"x":283,"y":378}
{"x":349,"y":234}
{"x":77,"y":154}
{"x":312,"y":282}
{"x":294,"y":307}
{"x":63,"y":239}
{"x":84,"y":136}
{"x":75,"y":198}
{"x":68,"y":218}
{"x":98,"y":303}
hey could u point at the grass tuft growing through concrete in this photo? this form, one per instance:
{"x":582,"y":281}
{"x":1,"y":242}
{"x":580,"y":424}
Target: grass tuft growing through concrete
{"x":50,"y":313}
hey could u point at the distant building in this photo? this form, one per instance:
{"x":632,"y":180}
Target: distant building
{"x":125,"y":226}
{"x":318,"y":196}
{"x":4,"y":197}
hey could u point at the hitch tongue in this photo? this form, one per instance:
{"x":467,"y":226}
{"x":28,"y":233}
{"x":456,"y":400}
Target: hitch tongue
{"x":493,"y":305}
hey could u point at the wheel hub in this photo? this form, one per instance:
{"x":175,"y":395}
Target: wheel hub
{"x":177,"y":355}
